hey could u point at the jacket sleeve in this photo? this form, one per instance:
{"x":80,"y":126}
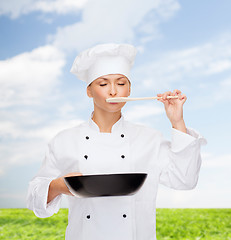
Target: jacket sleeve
{"x":181,"y":159}
{"x":39,"y":186}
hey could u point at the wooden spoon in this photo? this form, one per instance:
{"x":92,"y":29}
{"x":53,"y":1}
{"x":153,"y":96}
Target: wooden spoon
{"x":127,"y":99}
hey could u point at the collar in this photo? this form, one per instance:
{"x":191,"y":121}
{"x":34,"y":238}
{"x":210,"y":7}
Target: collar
{"x":118,"y":126}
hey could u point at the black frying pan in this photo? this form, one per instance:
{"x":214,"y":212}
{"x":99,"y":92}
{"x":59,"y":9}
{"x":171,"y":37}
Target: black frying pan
{"x":105,"y":184}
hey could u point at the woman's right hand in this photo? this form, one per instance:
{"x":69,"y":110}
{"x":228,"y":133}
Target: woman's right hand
{"x":65,"y":188}
{"x":57,"y":187}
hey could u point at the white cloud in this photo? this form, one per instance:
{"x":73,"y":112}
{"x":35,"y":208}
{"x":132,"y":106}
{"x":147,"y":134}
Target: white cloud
{"x":191,"y":68}
{"x":27,"y":81}
{"x":27,"y":145}
{"x":226,"y":82}
{"x":47,"y":132}
{"x":223,"y":90}
{"x":19,"y":153}
{"x":8,"y":129}
{"x":211,"y":190}
{"x":219,"y":66}
{"x":27,"y":77}
{"x":59,"y":6}
{"x":220,"y":161}
{"x":209,"y":197}
{"x":115,"y":21}
{"x":13,"y":130}
{"x":15,"y":8}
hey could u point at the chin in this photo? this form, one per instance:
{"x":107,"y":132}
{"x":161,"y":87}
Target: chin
{"x":114,"y":108}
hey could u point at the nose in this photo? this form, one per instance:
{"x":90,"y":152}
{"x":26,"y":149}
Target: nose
{"x":113,"y":90}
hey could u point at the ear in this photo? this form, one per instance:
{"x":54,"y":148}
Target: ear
{"x":129,"y":89}
{"x":89,"y":94}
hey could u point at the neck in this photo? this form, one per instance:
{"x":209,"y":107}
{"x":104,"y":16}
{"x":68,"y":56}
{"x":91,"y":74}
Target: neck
{"x":106,"y":120}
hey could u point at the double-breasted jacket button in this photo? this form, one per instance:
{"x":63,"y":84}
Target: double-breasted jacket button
{"x":124,"y":215}
{"x":88,"y":216}
{"x":122,"y":156}
{"x":86,"y":157}
{"x":122,"y":135}
{"x":87,"y":137}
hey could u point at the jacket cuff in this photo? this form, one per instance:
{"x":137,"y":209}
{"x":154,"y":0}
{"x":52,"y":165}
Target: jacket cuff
{"x":43,"y":208}
{"x":181,"y":140}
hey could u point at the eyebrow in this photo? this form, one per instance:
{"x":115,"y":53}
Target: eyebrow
{"x":108,"y":79}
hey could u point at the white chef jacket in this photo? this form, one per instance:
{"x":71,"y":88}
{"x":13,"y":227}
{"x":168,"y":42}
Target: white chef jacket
{"x":128,"y":148}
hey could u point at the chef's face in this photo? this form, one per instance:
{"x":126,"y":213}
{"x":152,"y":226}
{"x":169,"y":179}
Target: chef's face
{"x":108,"y":86}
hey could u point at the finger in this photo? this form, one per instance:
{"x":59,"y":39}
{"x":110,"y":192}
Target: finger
{"x":176,"y":92}
{"x":73,"y":174}
{"x":164,"y":96}
{"x":159,"y":95}
{"x":160,"y":99}
{"x":183,"y":97}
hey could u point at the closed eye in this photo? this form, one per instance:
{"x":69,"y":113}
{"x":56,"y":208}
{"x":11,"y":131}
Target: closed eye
{"x":104,"y":84}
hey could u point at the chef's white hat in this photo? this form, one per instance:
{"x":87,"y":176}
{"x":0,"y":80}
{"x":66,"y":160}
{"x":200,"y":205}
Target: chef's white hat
{"x":102,"y":60}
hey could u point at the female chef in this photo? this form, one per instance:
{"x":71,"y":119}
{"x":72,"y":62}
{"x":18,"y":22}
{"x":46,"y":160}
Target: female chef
{"x":107,"y":143}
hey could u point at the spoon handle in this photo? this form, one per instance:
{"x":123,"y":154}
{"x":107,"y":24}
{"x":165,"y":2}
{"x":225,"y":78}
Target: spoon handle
{"x":127,"y":99}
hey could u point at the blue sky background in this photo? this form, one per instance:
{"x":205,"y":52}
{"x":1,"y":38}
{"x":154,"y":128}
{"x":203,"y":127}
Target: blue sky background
{"x":182,"y":45}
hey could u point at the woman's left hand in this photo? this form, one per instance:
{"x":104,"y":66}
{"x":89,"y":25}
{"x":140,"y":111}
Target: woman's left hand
{"x":174,"y":108}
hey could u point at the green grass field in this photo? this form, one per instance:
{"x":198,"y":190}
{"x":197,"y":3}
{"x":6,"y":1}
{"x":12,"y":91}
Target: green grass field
{"x":182,"y":224}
